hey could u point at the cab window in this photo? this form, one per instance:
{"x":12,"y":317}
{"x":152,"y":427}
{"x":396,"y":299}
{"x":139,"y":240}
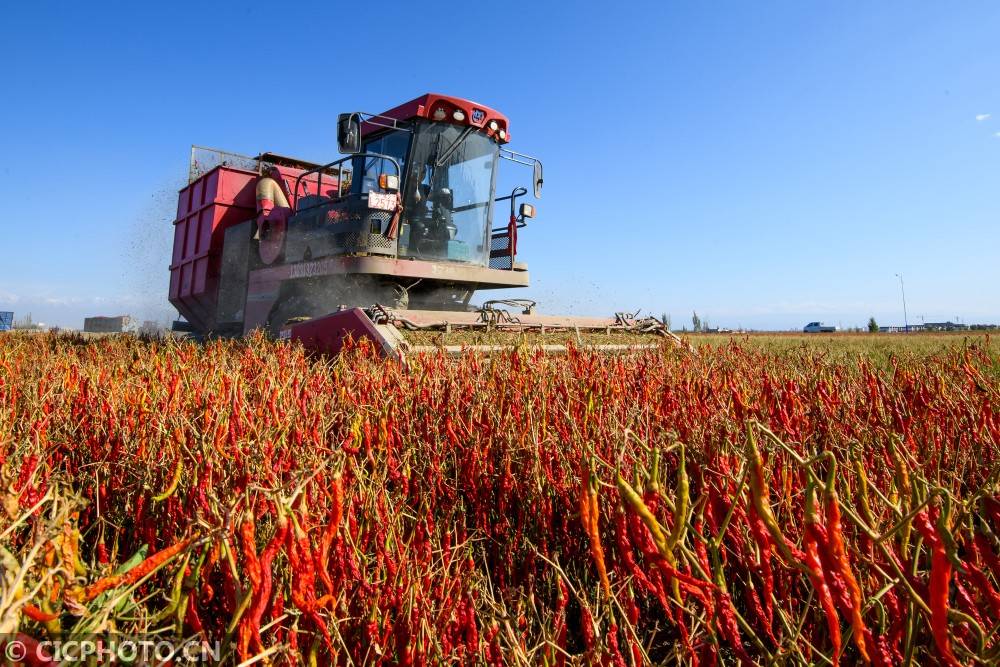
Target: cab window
{"x":395,"y":144}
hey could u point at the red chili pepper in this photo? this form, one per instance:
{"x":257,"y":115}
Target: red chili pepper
{"x":980,"y":580}
{"x":587,"y":629}
{"x":259,"y":604}
{"x":938,"y":591}
{"x":192,"y":619}
{"x":816,"y":574}
{"x":843,"y":562}
{"x":36,"y":614}
{"x":102,"y":552}
{"x":988,"y":555}
{"x":136,"y":573}
{"x":562,"y":599}
{"x":589,"y":515}
{"x":302,"y":590}
{"x":763,"y":540}
{"x":729,"y":627}
{"x":881,"y":655}
{"x":334,"y":519}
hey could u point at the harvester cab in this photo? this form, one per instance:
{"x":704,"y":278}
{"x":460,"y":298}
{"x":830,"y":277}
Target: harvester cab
{"x":436,"y":171}
{"x":389,"y":242}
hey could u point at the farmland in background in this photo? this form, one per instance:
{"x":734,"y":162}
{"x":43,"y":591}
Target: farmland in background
{"x":846,"y":345}
{"x":806,"y":498}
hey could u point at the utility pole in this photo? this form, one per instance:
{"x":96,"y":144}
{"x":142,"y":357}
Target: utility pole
{"x":906,"y":323}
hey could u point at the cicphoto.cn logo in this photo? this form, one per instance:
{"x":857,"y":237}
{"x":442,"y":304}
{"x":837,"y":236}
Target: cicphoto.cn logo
{"x":127,"y":650}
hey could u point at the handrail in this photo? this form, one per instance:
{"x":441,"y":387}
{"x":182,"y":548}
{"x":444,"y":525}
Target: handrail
{"x":519,"y":191}
{"x":397,"y":124}
{"x":323,"y":168}
{"x":519,"y":158}
{"x":509,"y":231}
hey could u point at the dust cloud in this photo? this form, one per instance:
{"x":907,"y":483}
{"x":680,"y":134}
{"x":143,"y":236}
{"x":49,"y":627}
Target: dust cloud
{"x":146,"y":254}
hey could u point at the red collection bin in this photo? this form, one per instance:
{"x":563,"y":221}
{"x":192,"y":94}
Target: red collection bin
{"x":218,"y":199}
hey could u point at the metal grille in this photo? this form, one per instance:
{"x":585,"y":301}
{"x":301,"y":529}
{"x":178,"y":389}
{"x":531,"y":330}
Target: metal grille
{"x":349,"y":242}
{"x":204,"y":160}
{"x":379,"y":241}
{"x":499,"y":243}
{"x":379,"y":221}
{"x":360,"y":242}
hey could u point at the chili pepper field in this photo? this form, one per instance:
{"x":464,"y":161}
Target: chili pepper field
{"x":754,"y":500}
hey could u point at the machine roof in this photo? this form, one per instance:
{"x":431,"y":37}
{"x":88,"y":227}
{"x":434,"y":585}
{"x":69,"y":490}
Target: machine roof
{"x":476,"y":114}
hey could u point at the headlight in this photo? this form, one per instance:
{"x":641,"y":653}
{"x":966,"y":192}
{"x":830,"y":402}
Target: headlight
{"x":493,"y":125}
{"x":459,"y":115}
{"x":439,"y":113}
{"x":388,"y":182}
{"x":503,"y":135}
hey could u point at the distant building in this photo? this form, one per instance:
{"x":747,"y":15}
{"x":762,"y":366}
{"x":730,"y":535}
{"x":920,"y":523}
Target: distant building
{"x":151,"y":328}
{"x":944,"y":326}
{"x":937,"y":326}
{"x":117,"y":324}
{"x":6,"y":320}
{"x":27,"y":324}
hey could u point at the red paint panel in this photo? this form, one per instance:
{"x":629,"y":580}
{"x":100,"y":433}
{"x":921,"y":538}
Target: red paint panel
{"x":424,"y":106}
{"x":187,"y":279}
{"x":207,"y":221}
{"x":200,"y":273}
{"x":183,"y":203}
{"x":178,"y":244}
{"x":197,"y":192}
{"x":217,"y":200}
{"x":328,"y":334}
{"x":175,"y":285}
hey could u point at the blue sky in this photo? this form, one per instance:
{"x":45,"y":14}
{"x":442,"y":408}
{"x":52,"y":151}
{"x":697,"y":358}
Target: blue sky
{"x":765,"y":163}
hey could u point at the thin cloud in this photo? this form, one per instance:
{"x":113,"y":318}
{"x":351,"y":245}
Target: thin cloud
{"x":983,"y":116}
{"x":997,"y":135}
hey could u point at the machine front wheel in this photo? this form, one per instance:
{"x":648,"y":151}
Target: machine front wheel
{"x":286,"y":310}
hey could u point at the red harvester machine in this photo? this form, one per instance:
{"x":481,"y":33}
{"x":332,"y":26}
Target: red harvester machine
{"x":389,"y":242}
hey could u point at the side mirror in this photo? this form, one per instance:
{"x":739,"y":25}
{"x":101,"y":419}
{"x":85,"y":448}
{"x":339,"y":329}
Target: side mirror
{"x":349,"y":133}
{"x":538,"y":179}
